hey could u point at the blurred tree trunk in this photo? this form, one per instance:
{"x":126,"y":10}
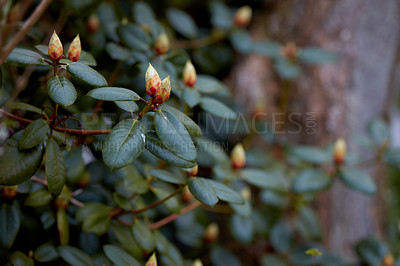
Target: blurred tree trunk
{"x":344,"y":95}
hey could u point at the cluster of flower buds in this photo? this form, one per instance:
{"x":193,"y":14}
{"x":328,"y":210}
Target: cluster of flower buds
{"x":155,"y":88}
{"x":161,"y":45}
{"x":388,"y":260}
{"x":339,"y":151}
{"x":55,"y":49}
{"x":238,"y":157}
{"x":194,"y":171}
{"x":211,"y":233}
{"x":243,"y":16}
{"x":189,"y":74}
{"x":290,"y":51}
{"x":9,"y":191}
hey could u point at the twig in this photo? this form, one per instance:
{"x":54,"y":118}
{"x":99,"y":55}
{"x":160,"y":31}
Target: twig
{"x":24,"y":29}
{"x":157,"y":203}
{"x":76,"y":202}
{"x":39,"y":181}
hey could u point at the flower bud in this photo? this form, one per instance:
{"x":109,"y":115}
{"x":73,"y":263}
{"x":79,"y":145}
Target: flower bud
{"x":388,"y":260}
{"x":290,"y":51}
{"x":152,"y":260}
{"x":93,"y":23}
{"x":187,"y":196}
{"x":197,"y":262}
{"x":339,"y":151}
{"x":162,"y":44}
{"x":153,"y":81}
{"x":194,"y":171}
{"x":9,"y":191}
{"x":238,"y":157}
{"x":211,"y":233}
{"x":189,"y":74}
{"x":243,"y":16}
{"x":55,"y":48}
{"x":246,"y":193}
{"x":74,"y":50}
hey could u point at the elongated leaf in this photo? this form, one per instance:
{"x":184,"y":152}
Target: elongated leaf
{"x":87,"y":59}
{"x":163,"y":190}
{"x":221,"y":15}
{"x":143,"y":14}
{"x":113,"y":94}
{"x":23,"y":106}
{"x":155,"y":146}
{"x":9,"y":224}
{"x":117,"y":52}
{"x":312,"y":154}
{"x":124,"y":144}
{"x":358,"y":180}
{"x":125,"y":238}
{"x":86,"y":75}
{"x":38,"y":198}
{"x":44,"y":49}
{"x":263,"y":179}
{"x":134,"y":37}
{"x":203,"y":190}
{"x":189,"y":124}
{"x":18,"y":166}
{"x":313,"y":55}
{"x":127,"y":106}
{"x":119,"y":256}
{"x":34,"y":134}
{"x":95,"y":218}
{"x":191,"y":96}
{"x":242,"y":228}
{"x":379,"y":131}
{"x":55,"y":168}
{"x":143,"y":236}
{"x":182,"y":23}
{"x":46,"y":253}
{"x":311,"y":180}
{"x":168,"y":176}
{"x":225,"y":193}
{"x":75,"y":256}
{"x":20,"y":259}
{"x":174,"y":136}
{"x":286,"y":69}
{"x":217,"y":108}
{"x":208,"y":84}
{"x":62,"y":226}
{"x":20,"y":56}
{"x":61,"y":90}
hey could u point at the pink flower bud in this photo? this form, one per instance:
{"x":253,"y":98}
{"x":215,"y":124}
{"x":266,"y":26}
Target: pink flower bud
{"x":194,"y":171}
{"x":162,"y":44}
{"x":189,"y":74}
{"x":74,"y":50}
{"x":157,"y":89}
{"x":9,"y":191}
{"x":290,"y":51}
{"x":55,"y":48}
{"x":211,"y":233}
{"x":152,"y":260}
{"x":238,"y":157}
{"x":339,"y":151}
{"x":243,"y":16}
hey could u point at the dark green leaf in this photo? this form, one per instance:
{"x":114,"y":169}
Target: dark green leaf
{"x":244,"y":210}
{"x":182,"y":23}
{"x":143,"y":236}
{"x":225,"y":193}
{"x":86,"y":75}
{"x":217,"y":108}
{"x":75,"y":256}
{"x":87,"y":59}
{"x":34,"y":134}
{"x":119,"y":256}
{"x":113,"y":94}
{"x":222,"y":257}
{"x":203,"y":190}
{"x":311,"y":180}
{"x":163,"y":190}
{"x":392,"y":156}
{"x":128,"y":106}
{"x":20,"y":56}
{"x":221,"y":16}
{"x":44,"y":49}
{"x":117,"y":52}
{"x":191,"y":96}
{"x":38,"y":198}
{"x":312,"y":154}
{"x":46,"y":253}
{"x":372,"y":251}
{"x":134,"y":37}
{"x":286,"y":69}
{"x":189,"y":124}
{"x":174,"y":136}
{"x":9,"y":224}
{"x":281,"y":236}
{"x":62,"y":226}
{"x":82,"y":6}
{"x":168,"y":176}
{"x":241,"y":41}
{"x":275,"y":260}
{"x":18,"y":166}
{"x":20,"y":259}
{"x":269,"y":49}
{"x":125,"y":238}
{"x":61,"y":90}
{"x":95,"y":218}
{"x":242,"y":228}
{"x":123,"y":144}
{"x":313,"y":55}
{"x":358,"y":180}
{"x":55,"y":168}
{"x":208,"y":84}
{"x":23,"y":106}
{"x":263,"y":179}
{"x":379,"y":131}
{"x":143,"y":14}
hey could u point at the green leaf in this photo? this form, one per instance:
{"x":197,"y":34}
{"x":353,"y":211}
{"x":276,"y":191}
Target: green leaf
{"x":182,"y":23}
{"x":221,"y":16}
{"x":312,"y":154}
{"x":18,"y":166}
{"x":281,"y":236}
{"x":358,"y":180}
{"x":87,"y":59}
{"x":134,"y":37}
{"x":44,"y":49}
{"x":189,"y":124}
{"x":95,"y":218}
{"x":372,"y":251}
{"x":34,"y":134}
{"x":143,"y":14}
{"x":20,"y":259}
{"x":263,"y":179}
{"x":241,"y":41}
{"x":38,"y":198}
{"x":225,"y":193}
{"x":143,"y":236}
{"x":275,"y":260}
{"x":163,"y":190}
{"x":62,"y":226}
{"x":286,"y":69}
{"x":86,"y":75}
{"x":23,"y":106}
{"x":9,"y":224}
{"x":392,"y":156}
{"x":223,"y":257}
{"x":113,"y":94}
{"x":168,"y":176}
{"x":311,"y":180}
{"x":123,"y":144}
{"x":203,"y":190}
{"x":119,"y":256}
{"x":191,"y":96}
{"x":208,"y":84}
{"x":155,"y":146}
{"x":242,"y":228}
{"x":75,"y":256}
{"x":61,"y":90}
{"x":174,"y":136}
{"x":55,"y":168}
{"x":267,"y":48}
{"x":127,"y":241}
{"x":217,"y":108}
{"x":82,"y":6}
{"x":379,"y":131}
{"x":117,"y":52}
{"x":316,"y":56}
{"x":46,"y":253}
{"x":20,"y":56}
{"x":128,"y":106}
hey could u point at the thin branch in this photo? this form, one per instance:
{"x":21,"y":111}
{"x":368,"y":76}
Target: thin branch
{"x":157,"y":203}
{"x":39,"y":181}
{"x":24,"y":29}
